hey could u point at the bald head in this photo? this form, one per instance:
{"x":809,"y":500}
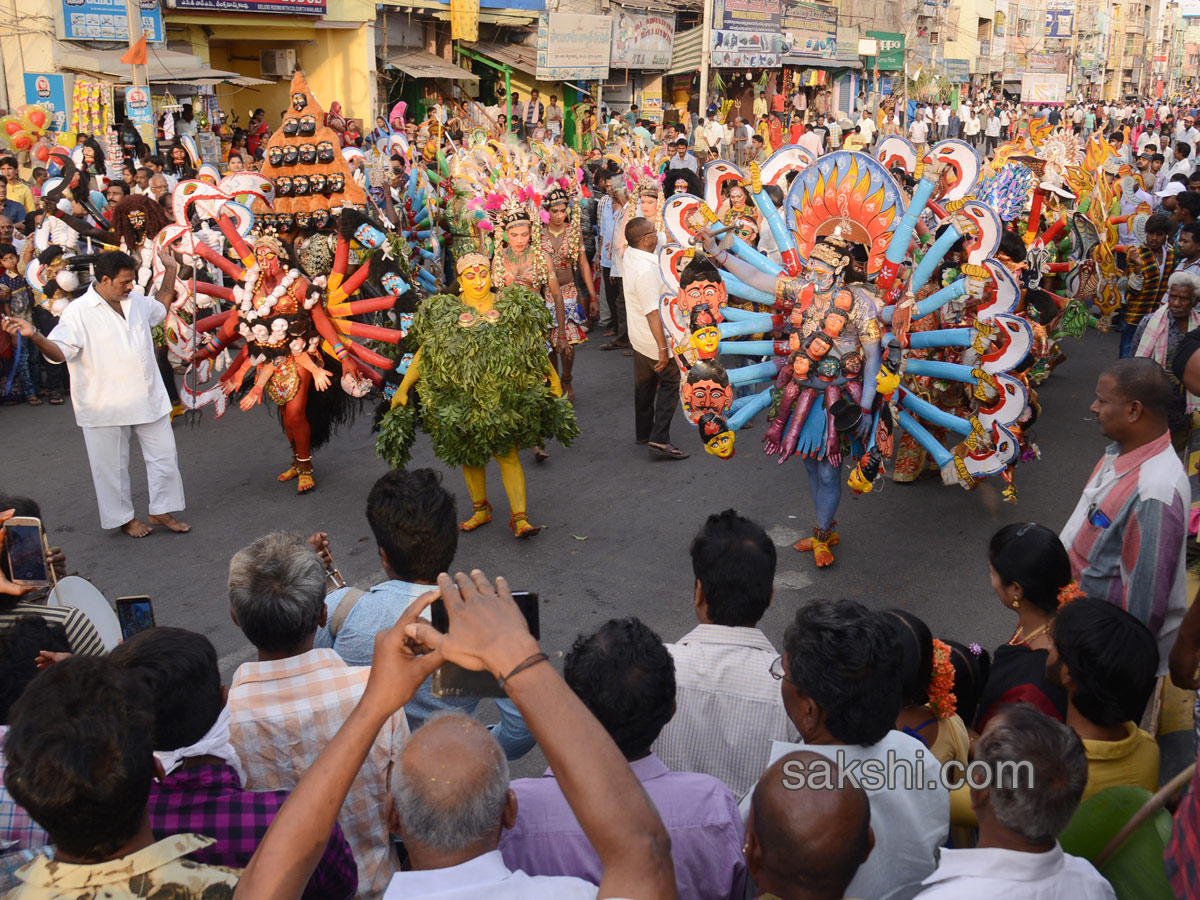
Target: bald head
{"x":451,"y":787}
{"x":807,"y":836}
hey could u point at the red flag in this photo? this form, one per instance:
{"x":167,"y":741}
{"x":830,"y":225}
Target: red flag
{"x":136,"y":55}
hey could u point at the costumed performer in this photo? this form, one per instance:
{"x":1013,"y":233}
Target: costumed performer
{"x":485,"y":385}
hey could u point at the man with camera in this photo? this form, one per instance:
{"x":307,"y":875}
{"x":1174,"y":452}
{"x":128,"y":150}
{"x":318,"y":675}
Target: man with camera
{"x":116,"y":389}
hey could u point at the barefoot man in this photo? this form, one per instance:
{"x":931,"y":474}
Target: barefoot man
{"x":104,"y":338}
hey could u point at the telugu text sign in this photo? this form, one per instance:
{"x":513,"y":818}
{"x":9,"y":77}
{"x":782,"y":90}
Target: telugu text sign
{"x":274,"y":7}
{"x":573,"y":46}
{"x":810,"y":29}
{"x":642,"y":40}
{"x":105,"y":20}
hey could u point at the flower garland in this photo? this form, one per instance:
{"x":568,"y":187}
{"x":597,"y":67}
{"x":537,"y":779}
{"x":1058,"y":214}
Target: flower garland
{"x":1068,"y":592}
{"x":253,"y":310}
{"x":942,"y":702}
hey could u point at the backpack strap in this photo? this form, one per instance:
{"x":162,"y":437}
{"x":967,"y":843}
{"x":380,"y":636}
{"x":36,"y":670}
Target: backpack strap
{"x":338,"y":619}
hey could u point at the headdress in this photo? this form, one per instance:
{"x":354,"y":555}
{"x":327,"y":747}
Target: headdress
{"x":833,"y":250}
{"x":470,"y":261}
{"x":556,"y":194}
{"x":513,"y":211}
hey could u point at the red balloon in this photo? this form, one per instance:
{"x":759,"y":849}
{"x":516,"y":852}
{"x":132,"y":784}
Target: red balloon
{"x":12,"y":127}
{"x":38,"y":118}
{"x":22,"y":141}
{"x":42,"y":153}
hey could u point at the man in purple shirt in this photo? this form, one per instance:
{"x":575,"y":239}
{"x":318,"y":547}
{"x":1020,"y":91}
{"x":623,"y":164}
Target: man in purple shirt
{"x":626,"y":678}
{"x":201,"y":792}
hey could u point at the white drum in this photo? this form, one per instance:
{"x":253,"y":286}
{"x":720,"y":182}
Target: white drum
{"x":86,"y":597}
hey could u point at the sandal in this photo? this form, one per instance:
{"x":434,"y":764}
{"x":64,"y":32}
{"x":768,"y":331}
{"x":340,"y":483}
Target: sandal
{"x":667,"y":451}
{"x":615,"y":345}
{"x":11,"y":401}
{"x":33,"y":400}
{"x":56,"y":399}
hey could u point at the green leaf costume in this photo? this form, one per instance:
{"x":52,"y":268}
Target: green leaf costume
{"x":483,"y":382}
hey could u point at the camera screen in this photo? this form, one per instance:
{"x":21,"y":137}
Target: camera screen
{"x":26,"y":556}
{"x":135,"y":615}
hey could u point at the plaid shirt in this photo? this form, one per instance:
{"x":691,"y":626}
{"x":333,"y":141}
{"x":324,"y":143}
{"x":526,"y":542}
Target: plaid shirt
{"x":15,"y":823}
{"x":1182,"y":859}
{"x":283,"y":714}
{"x":1144,"y":264}
{"x":209,"y":800}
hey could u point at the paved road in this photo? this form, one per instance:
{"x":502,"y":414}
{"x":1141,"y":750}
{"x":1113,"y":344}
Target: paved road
{"x":618,"y":524}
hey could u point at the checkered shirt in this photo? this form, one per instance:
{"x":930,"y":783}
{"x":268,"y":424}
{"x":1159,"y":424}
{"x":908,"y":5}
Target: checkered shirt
{"x":283,"y":714}
{"x":1144,"y":263}
{"x":1182,"y":859}
{"x":15,"y":824}
{"x":209,"y":800}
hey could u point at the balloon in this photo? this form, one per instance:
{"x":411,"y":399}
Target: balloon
{"x":11,"y":125}
{"x":66,"y":139}
{"x":22,"y":140}
{"x":41,"y":152}
{"x":37,"y":118}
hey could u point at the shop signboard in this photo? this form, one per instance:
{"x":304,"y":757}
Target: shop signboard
{"x":49,"y":91}
{"x":278,"y":7}
{"x":573,"y":47}
{"x":1060,"y":18}
{"x":811,"y":29}
{"x":652,"y":106}
{"x":138,"y":106}
{"x":957,"y":70}
{"x":105,"y":20}
{"x":747,"y":34}
{"x":1189,"y":8}
{"x":1045,"y":62}
{"x":891,"y":51}
{"x":642,"y":40}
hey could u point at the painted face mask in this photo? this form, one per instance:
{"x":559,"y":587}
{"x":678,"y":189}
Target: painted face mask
{"x":300,"y":186}
{"x":476,"y":283}
{"x":275,"y":156}
{"x":290,"y":156}
{"x":703,"y":293}
{"x":337,"y":183}
{"x":291,"y":127}
{"x":320,"y":219}
{"x":394,"y":284}
{"x":299,"y":101}
{"x":369,"y":236}
{"x":325,"y":152}
{"x":286,"y":221}
{"x":308,"y":154}
{"x":705,"y":340}
{"x":268,"y":221}
{"x":303,"y":221}
{"x":283,"y":185}
{"x":717,"y":436}
{"x":318,"y":183}
{"x":137,"y":220}
{"x":308,"y":125}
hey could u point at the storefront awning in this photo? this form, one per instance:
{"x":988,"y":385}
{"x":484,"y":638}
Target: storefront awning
{"x":685,"y":52}
{"x":423,"y":64}
{"x":162,"y":67}
{"x":821,"y":62}
{"x":499,"y":15}
{"x":517,"y":56}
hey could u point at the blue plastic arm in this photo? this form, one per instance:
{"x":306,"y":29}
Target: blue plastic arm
{"x":925,"y":267}
{"x":898,"y":249}
{"x":758,"y":325}
{"x":755,"y":404}
{"x":756,"y":258}
{"x":746,"y":348}
{"x":931,"y":444}
{"x":945,"y":337}
{"x":932,"y":368}
{"x":738,"y":288}
{"x":931,"y":413}
{"x":753,"y":374}
{"x":930,"y":304}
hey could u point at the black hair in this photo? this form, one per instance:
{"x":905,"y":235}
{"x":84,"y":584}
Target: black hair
{"x":1183,"y":147}
{"x":20,"y":644}
{"x":1012,"y":246}
{"x":8,"y":161}
{"x":970,"y":675}
{"x":79,"y":755}
{"x":1158,"y":224}
{"x":758,"y":138}
{"x":1142,"y":380}
{"x":1192,"y":228}
{"x":1032,"y":556}
{"x":775,"y":192}
{"x":915,"y":643}
{"x":1158,"y":157}
{"x":625,"y":676}
{"x":1178,"y":178}
{"x":259,"y":112}
{"x":112,"y":263}
{"x":844,"y":657}
{"x":179,"y":668}
{"x":118,"y":184}
{"x":734,"y":562}
{"x":681,"y":140}
{"x":6,"y":249}
{"x":232,"y":155}
{"x":1117,"y":136}
{"x":701,"y":268}
{"x":415,"y":522}
{"x":157,"y":159}
{"x":1112,"y":659}
{"x":1189,"y":200}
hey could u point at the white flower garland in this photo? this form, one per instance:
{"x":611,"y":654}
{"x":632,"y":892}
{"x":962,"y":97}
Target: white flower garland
{"x":245,"y":297}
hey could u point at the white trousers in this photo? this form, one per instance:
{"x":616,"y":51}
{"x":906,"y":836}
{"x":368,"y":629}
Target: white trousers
{"x":108,"y":454}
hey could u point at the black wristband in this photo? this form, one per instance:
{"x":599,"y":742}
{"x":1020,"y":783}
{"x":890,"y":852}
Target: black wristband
{"x":522,"y":666}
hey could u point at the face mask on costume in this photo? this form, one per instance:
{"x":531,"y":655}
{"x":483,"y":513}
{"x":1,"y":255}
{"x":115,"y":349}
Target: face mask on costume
{"x":137,"y":220}
{"x":369,"y":236}
{"x":283,"y":185}
{"x":291,"y":127}
{"x":717,"y":436}
{"x":268,"y":220}
{"x":308,"y":125}
{"x":299,"y":101}
{"x":303,"y":221}
{"x":394,"y":284}
{"x":818,"y":346}
{"x":476,"y":283}
{"x":834,"y":322}
{"x":714,"y":296}
{"x":337,"y":183}
{"x":681,"y":186}
{"x":705,"y":340}
{"x":829,"y":367}
{"x":318,"y":183}
{"x":266,"y":259}
{"x":308,"y":154}
{"x":286,"y":221}
{"x":290,"y":155}
{"x":275,"y":156}
{"x":300,"y":186}
{"x":320,"y":219}
{"x":821,"y":274}
{"x":887,"y":381}
{"x":325,"y":152}
{"x":705,"y":396}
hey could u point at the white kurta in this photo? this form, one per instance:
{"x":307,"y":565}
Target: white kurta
{"x":116,"y":390}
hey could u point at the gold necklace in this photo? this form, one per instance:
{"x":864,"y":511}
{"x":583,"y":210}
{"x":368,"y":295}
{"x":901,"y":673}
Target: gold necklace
{"x":1016,"y":639}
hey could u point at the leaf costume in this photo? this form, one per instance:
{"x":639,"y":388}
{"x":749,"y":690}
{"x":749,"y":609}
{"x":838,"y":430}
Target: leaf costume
{"x":483,"y":387}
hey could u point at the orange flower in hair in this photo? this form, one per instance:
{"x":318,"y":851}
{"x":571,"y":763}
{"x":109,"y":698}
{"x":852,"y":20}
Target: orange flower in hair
{"x":1068,"y":592}
{"x":942,"y":702}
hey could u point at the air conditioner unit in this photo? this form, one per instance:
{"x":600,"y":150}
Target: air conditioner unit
{"x":277,"y":63}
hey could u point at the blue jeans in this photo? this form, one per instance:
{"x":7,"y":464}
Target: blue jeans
{"x":512,"y":732}
{"x":1127,"y":332}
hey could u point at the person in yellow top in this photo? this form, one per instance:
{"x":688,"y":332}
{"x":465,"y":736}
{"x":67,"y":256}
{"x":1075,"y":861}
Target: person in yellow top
{"x":18,"y":190}
{"x":1105,"y":659}
{"x":855,"y":140}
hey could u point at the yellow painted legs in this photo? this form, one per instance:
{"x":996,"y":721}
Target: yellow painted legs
{"x":513,"y":477}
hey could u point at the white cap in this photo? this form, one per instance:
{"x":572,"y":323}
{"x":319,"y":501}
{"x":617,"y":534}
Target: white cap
{"x":1171,"y":190}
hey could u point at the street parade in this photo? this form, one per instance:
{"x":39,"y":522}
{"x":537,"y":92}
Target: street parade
{"x":881,"y":324}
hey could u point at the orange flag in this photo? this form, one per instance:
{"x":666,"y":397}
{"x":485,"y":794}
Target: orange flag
{"x":136,"y":56}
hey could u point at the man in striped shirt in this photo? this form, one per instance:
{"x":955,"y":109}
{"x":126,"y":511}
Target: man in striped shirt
{"x":1126,"y":535}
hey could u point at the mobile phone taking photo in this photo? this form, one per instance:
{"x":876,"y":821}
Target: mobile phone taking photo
{"x":25,"y":550}
{"x":451,"y":680}
{"x":135,"y":614}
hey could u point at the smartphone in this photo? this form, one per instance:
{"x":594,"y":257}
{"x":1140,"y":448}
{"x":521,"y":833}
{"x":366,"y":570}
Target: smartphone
{"x":26,"y":550}
{"x":450,"y":680}
{"x":135,"y":614}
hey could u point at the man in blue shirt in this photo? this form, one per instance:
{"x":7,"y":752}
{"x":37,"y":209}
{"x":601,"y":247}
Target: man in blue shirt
{"x":415,"y":524}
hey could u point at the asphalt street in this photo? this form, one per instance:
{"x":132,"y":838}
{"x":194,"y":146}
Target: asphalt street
{"x":617,"y":523}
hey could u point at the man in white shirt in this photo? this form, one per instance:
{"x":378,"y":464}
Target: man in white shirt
{"x":683,"y":158}
{"x":186,"y":123}
{"x":727,"y":706}
{"x":811,"y":141}
{"x":840,"y":682}
{"x":714,"y":131}
{"x":918,"y":133}
{"x":1018,"y":853}
{"x":655,"y":373}
{"x":867,"y":129}
{"x":942,"y":117}
{"x":116,"y":389}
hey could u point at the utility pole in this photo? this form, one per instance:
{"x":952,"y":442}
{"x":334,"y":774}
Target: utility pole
{"x":705,"y":54}
{"x":133,"y":12}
